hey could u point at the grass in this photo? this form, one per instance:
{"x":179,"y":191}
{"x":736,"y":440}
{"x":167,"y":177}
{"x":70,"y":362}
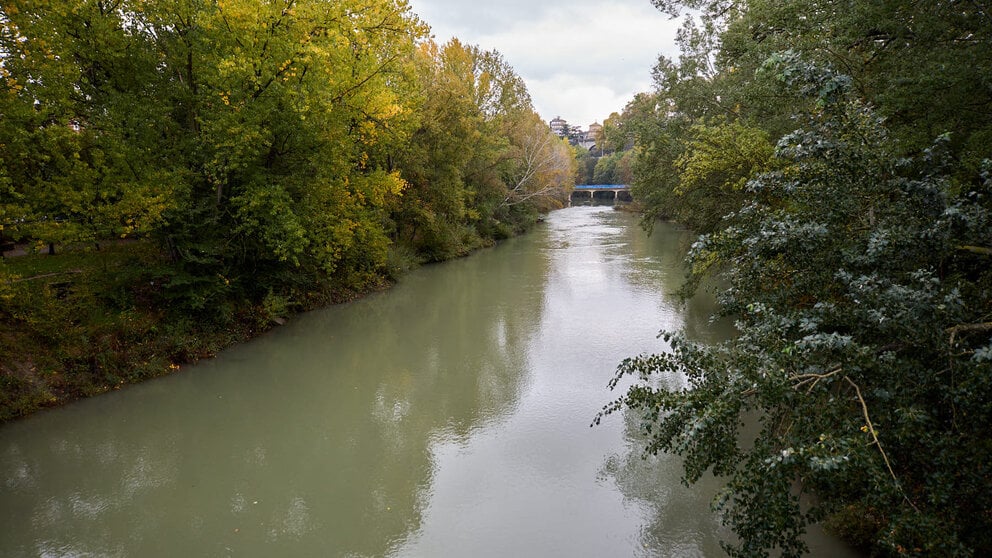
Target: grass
{"x":85,"y":321}
{"x":78,"y":259}
{"x":82,"y":322}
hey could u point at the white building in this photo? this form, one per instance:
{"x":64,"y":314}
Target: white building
{"x":589,"y":138}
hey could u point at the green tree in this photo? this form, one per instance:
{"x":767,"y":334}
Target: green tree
{"x":861,"y":282}
{"x":659,"y":142}
{"x":286,"y":107}
{"x":719,"y":158}
{"x":606,"y":167}
{"x":478,"y":165}
{"x":437,"y":212}
{"x":624,"y":173}
{"x":613,"y":136}
{"x":901,"y":56}
{"x":78,"y":144}
{"x":585,"y":165}
{"x":858,"y":263}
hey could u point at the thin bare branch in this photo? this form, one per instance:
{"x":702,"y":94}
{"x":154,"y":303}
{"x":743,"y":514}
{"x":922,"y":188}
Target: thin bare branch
{"x":970,"y":328}
{"x":814,"y":378}
{"x":878,"y":444}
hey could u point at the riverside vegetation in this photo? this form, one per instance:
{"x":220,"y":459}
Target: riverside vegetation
{"x":835,"y":157}
{"x":262,"y":158}
{"x":205,"y":168}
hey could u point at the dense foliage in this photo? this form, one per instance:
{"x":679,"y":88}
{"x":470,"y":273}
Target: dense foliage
{"x":610,"y":160}
{"x":273,"y":154}
{"x":836,"y":158}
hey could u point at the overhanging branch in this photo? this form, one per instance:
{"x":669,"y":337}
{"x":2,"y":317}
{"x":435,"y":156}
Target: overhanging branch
{"x":878,"y":444}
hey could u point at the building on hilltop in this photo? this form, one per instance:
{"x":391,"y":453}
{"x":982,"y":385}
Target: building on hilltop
{"x":575,"y":135}
{"x":588,"y":139}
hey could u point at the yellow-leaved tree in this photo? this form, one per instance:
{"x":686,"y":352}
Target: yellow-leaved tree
{"x":290,"y":109}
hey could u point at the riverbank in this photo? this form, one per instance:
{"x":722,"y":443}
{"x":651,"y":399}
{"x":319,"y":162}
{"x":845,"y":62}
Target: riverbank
{"x":85,"y":322}
{"x":458,"y":402}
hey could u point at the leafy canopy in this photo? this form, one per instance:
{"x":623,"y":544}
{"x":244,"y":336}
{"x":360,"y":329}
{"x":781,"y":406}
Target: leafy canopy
{"x":857,"y":254}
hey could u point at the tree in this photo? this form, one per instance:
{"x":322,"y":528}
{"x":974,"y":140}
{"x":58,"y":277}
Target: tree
{"x":252,"y":140}
{"x":606,"y":167}
{"x":287,"y":107}
{"x":624,"y":173}
{"x":76,"y":139}
{"x":452,"y":152}
{"x":545,"y":166}
{"x":858,"y":265}
{"x":585,"y":165}
{"x":719,"y":158}
{"x":480,"y":164}
{"x":613,"y":136}
{"x":861,"y":281}
{"x":658,"y":137}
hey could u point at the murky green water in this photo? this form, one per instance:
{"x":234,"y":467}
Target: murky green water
{"x":447,"y":417}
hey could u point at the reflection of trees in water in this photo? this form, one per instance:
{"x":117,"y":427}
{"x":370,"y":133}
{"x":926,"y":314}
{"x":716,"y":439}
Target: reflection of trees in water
{"x":313,"y":440}
{"x":679,"y":521}
{"x":657,"y":265}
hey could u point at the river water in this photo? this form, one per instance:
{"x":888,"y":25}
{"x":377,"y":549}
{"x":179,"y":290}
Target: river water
{"x":446,"y":417}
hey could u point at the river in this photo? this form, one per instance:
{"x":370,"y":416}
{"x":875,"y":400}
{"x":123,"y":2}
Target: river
{"x":447,"y":417}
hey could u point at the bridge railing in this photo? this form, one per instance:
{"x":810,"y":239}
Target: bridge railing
{"x":602,"y":186}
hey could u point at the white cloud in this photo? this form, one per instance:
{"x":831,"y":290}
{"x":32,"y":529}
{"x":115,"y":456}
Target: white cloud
{"x":577,"y":100}
{"x":581,"y":59}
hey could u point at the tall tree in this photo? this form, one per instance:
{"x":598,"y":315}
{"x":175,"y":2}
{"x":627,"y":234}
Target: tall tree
{"x":478,"y":164}
{"x":81,"y":111}
{"x":857,"y":258}
{"x":286,"y":105}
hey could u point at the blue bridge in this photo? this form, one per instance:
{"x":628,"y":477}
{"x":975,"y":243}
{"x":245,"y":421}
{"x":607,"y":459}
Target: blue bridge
{"x":615,"y":192}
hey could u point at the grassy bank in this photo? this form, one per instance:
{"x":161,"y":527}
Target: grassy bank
{"x":92,"y":319}
{"x":87,"y":321}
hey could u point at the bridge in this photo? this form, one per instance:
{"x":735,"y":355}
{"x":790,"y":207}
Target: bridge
{"x":617,"y":192}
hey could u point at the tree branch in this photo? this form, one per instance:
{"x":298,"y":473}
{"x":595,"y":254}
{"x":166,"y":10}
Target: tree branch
{"x":977,"y":250}
{"x":361,"y":83}
{"x":970,"y":328}
{"x":878,"y":444}
{"x":815,"y":378}
{"x":967,"y":328}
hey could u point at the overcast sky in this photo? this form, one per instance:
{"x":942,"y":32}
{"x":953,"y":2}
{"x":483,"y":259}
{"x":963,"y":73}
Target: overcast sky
{"x":581,"y":59}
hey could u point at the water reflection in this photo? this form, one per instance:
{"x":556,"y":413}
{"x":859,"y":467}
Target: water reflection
{"x":677,"y":519}
{"x":536,"y":485}
{"x":313,"y":440}
{"x":446,"y":417}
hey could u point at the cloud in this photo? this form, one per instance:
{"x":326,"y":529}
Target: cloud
{"x":581,"y":59}
{"x":581,"y":102}
{"x":477,"y":17}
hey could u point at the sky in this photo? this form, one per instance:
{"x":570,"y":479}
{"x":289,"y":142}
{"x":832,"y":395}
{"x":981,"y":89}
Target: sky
{"x":581,"y":59}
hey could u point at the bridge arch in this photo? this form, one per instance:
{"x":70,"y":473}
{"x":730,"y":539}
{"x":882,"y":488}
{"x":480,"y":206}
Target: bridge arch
{"x":615,"y":192}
